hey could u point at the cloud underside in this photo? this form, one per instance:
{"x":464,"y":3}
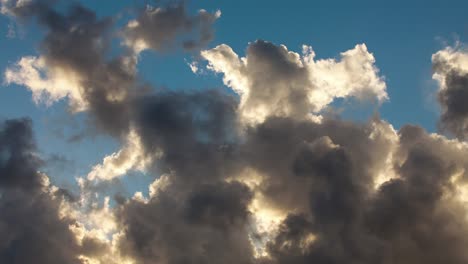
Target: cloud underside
{"x":258,"y":176}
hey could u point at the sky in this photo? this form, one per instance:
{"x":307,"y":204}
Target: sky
{"x":401,"y":36}
{"x":233,"y":131}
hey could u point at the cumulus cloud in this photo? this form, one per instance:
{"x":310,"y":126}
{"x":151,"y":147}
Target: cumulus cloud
{"x":157,"y":28}
{"x":205,"y":225}
{"x":324,"y":179}
{"x":451,"y":72}
{"x":30,"y":226}
{"x":73,"y":64}
{"x":273,"y":81}
{"x":130,"y":157}
{"x":249,"y":179}
{"x":47,"y":85}
{"x":40,"y":222}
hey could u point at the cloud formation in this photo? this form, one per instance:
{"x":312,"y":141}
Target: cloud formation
{"x":157,"y":28}
{"x":130,"y":157}
{"x":451,"y":71}
{"x":273,"y":81}
{"x":30,"y":226}
{"x":251,"y":178}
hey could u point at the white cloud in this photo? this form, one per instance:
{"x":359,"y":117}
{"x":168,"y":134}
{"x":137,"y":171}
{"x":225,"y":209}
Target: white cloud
{"x":47,"y":84}
{"x":130,"y":157}
{"x":272,"y":80}
{"x":448,"y":60}
{"x":159,"y":185}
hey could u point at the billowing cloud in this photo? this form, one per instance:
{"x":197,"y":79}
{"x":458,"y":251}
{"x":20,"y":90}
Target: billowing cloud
{"x":74,"y":61}
{"x":130,"y":157}
{"x":56,"y":84}
{"x":41,"y":223}
{"x":451,"y":71}
{"x":335,"y":215}
{"x":273,"y":81}
{"x":157,"y":28}
{"x":207,"y":224}
{"x":73,"y":64}
{"x":252,"y":178}
{"x":30,"y":226}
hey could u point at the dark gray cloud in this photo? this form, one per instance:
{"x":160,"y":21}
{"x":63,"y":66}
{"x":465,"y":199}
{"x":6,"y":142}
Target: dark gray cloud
{"x":194,"y":130}
{"x":198,"y":217}
{"x":77,"y":44}
{"x":454,"y":117}
{"x":19,"y":162}
{"x":323,"y":176}
{"x":451,"y":71}
{"x":409,"y":219}
{"x":31,"y":230}
{"x":332,"y":151}
{"x":207,"y":224}
{"x":160,"y":28}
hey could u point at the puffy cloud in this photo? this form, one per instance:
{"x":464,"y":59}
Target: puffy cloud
{"x":451,"y":71}
{"x":272,"y":80}
{"x":193,"y":133}
{"x":310,"y":196}
{"x":95,"y":229}
{"x":73,"y":63}
{"x":47,"y":85}
{"x":30,"y":226}
{"x":157,"y":28}
{"x":41,"y":223}
{"x":321,"y":177}
{"x":282,"y":189}
{"x":206,"y":224}
{"x":130,"y":157}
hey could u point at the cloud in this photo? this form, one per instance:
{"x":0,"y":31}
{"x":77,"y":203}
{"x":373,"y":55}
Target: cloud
{"x":207,"y":224}
{"x":157,"y":28}
{"x":451,"y":71}
{"x":19,"y":161}
{"x":73,"y":63}
{"x":130,"y":157}
{"x":341,"y":218}
{"x":30,"y":226}
{"x":250,"y":178}
{"x":56,"y":84}
{"x":273,"y":81}
{"x":317,"y":185}
{"x":24,"y":9}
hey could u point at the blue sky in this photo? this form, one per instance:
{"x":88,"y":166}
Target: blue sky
{"x":402,"y":36}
